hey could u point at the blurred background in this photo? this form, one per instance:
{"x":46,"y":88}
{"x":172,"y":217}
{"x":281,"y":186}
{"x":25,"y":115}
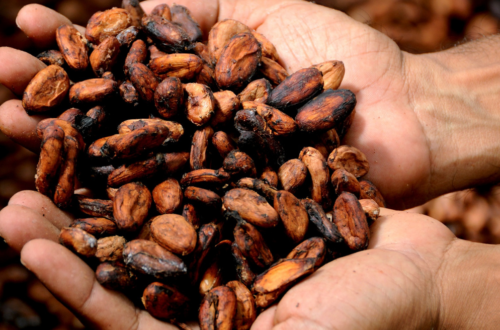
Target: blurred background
{"x":418,"y":26}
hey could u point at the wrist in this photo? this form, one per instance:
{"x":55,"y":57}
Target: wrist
{"x":456,"y":96}
{"x":470,"y":287}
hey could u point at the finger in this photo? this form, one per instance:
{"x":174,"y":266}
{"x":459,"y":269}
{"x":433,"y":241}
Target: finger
{"x":73,"y":282}
{"x":19,"y":126}
{"x":39,"y":23}
{"x":20,"y":224}
{"x":265,"y":320}
{"x":43,"y":206}
{"x":17,"y":68}
{"x":296,"y":323}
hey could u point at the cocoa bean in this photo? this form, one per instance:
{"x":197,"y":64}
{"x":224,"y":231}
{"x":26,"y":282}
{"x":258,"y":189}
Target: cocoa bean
{"x":154,"y":52}
{"x":136,"y":171}
{"x":174,"y":233}
{"x":270,"y":177}
{"x":165,"y":302}
{"x":169,"y":97}
{"x":246,"y":312}
{"x":66,"y":184}
{"x":313,"y":248}
{"x":182,"y":16}
{"x":51,"y":153}
{"x":370,"y":191}
{"x":320,"y":175}
{"x":70,"y":115}
{"x":92,"y":91}
{"x":272,"y":71}
{"x":168,"y":196}
{"x":131,"y":206}
{"x":104,"y":57}
{"x":257,"y":91}
{"x":212,"y":278}
{"x":129,"y":94}
{"x":128,"y":36}
{"x":205,"y":176}
{"x":114,"y":276}
{"x":208,"y":236}
{"x":169,"y":36}
{"x":345,"y":181}
{"x":218,"y":309}
{"x":98,"y":227}
{"x":223,"y":143}
{"x":351,"y":221}
{"x":252,"y":244}
{"x":260,"y":186}
{"x":333,"y":73}
{"x":110,"y":249}
{"x":323,"y":224}
{"x":292,"y":175}
{"x":200,"y":104}
{"x":198,"y":157}
{"x":144,"y":81}
{"x":243,"y":270}
{"x":220,"y":35}
{"x":137,"y":54}
{"x":251,"y":207}
{"x":371,"y":208}
{"x":202,"y":196}
{"x":201,"y":50}
{"x":162,"y":10}
{"x":78,"y":241}
{"x":95,"y":207}
{"x":350,"y":159}
{"x":46,"y":90}
{"x":73,"y":47}
{"x":135,"y":10}
{"x":279,"y":122}
{"x":106,"y":24}
{"x":239,"y":164}
{"x":226,"y":105}
{"x":182,"y":66}
{"x":293,"y":215}
{"x":268,"y":49}
{"x":52,"y":57}
{"x":190,"y":213}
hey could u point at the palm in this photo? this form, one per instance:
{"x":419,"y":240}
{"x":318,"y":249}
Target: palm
{"x":304,"y":34}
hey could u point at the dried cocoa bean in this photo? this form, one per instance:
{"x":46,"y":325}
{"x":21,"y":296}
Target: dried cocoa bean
{"x":270,"y":177}
{"x":52,"y":57}
{"x":351,"y":221}
{"x":333,"y":73}
{"x":66,"y":184}
{"x":256,"y":91}
{"x":226,"y":105}
{"x":273,"y":71}
{"x":205,"y":176}
{"x":243,"y":270}
{"x":70,"y":115}
{"x":370,"y":191}
{"x":207,"y":77}
{"x":350,"y":159}
{"x":110,"y":249}
{"x":292,"y":175}
{"x":73,"y":47}
{"x":144,"y":81}
{"x":98,"y":227}
{"x":182,"y":66}
{"x":136,"y":171}
{"x":260,"y":186}
{"x":251,"y":207}
{"x":135,"y":10}
{"x":131,"y":206}
{"x":182,"y":16}
{"x":95,"y":207}
{"x":202,"y":196}
{"x":169,"y":97}
{"x":165,"y":302}
{"x":212,"y":278}
{"x":162,"y":10}
{"x":246,"y":312}
{"x":154,"y":52}
{"x":169,"y":36}
{"x":92,"y":91}
{"x":128,"y":36}
{"x":208,"y":236}
{"x":174,"y":233}
{"x":114,"y":276}
{"x":320,"y":175}
{"x":345,"y":181}
{"x":50,"y":159}
{"x":314,"y":248}
{"x":293,"y":215}
{"x":168,"y":196}
{"x":239,"y":164}
{"x":198,"y":157}
{"x":190,"y":213}
{"x":129,"y":94}
{"x":218,"y":309}
{"x":46,"y":90}
{"x":104,"y":57}
{"x":323,"y":224}
{"x":252,"y":244}
{"x":201,"y":50}
{"x":176,"y":131}
{"x":106,"y":24}
{"x":223,"y":143}
{"x":200,"y":105}
{"x":371,"y":208}
{"x":220,"y":35}
{"x":137,"y":54}
{"x":268,"y":49}
{"x":78,"y":241}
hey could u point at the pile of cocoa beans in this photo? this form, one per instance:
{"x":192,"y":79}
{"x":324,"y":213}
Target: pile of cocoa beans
{"x":215,"y":180}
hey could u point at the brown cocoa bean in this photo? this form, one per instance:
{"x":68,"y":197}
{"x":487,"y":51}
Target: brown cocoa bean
{"x":176,"y":131}
{"x":73,"y":47}
{"x":220,"y":35}
{"x":165,"y":302}
{"x":268,"y":49}
{"x":252,"y":244}
{"x":66,"y":184}
{"x":320,"y":176}
{"x":351,"y":221}
{"x":198,"y":157}
{"x":243,"y":270}
{"x":109,"y":23}
{"x":78,"y":241}
{"x":246,"y":313}
{"x":314,"y":248}
{"x":238,"y":62}
{"x":212,"y":278}
{"x":174,"y":233}
{"x":370,"y":191}
{"x":239,"y":164}
{"x":136,"y":171}
{"x":273,"y":71}
{"x":292,"y":175}
{"x":162,"y":10}
{"x":297,"y":89}
{"x":326,"y":142}
{"x":251,"y":207}
{"x":169,"y":36}
{"x":223,"y":143}
{"x":169,"y":97}
{"x":168,"y":196}
{"x":256,"y":91}
{"x":137,"y":54}
{"x":92,"y":91}
{"x":128,"y":36}
{"x":182,"y":66}
{"x":201,"y":50}
{"x":226,"y":105}
{"x":345,"y":181}
{"x":263,"y":188}
{"x":52,"y":57}
{"x":371,"y":208}
{"x":323,"y":224}
{"x":135,"y":11}
{"x":333,"y":73}
{"x":129,"y":94}
{"x":104,"y":57}
{"x":144,"y":81}
{"x":350,"y":159}
{"x":279,"y":122}
{"x":208,"y":236}
{"x":110,"y":249}
{"x":154,"y":52}
{"x":200,"y":104}
{"x":190,"y":213}
{"x":114,"y":276}
{"x":182,"y":16}
{"x":207,"y":77}
{"x":51,"y":153}
{"x":149,"y":258}
{"x":99,"y":208}
{"x":205,"y":176}
{"x":202,"y":196}
{"x":46,"y":90}
{"x":131,"y":206}
{"x":70,"y":115}
{"x":328,"y":110}
{"x":97,"y":227}
{"x":218,"y":309}
{"x":293,"y":215}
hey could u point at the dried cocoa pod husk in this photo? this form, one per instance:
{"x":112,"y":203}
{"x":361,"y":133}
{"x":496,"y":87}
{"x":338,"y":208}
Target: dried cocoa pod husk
{"x":351,"y":221}
{"x":51,"y":153}
{"x":136,"y":171}
{"x":270,"y":177}
{"x":144,"y":81}
{"x":169,"y":97}
{"x":128,"y":93}
{"x":162,"y":10}
{"x":256,"y":91}
{"x":371,"y":208}
{"x":333,"y":73}
{"x":154,"y":52}
{"x":201,"y":50}
{"x":70,"y":115}
{"x":260,"y":186}
{"x":251,"y":207}
{"x":73,"y":47}
{"x":238,"y":62}
{"x":205,"y":176}
{"x":110,"y":248}
{"x":46,"y":90}
{"x":200,"y":104}
{"x":313,"y":248}
{"x":202,"y":196}
{"x":275,"y":281}
{"x":370,"y":191}
{"x":92,"y":91}
{"x":165,"y":302}
{"x":138,"y":53}
{"x":292,"y":175}
{"x":66,"y":184}
{"x":293,"y":215}
{"x":207,"y":77}
{"x":220,"y":35}
{"x":135,"y":143}
{"x":176,"y":131}
{"x":326,"y":111}
{"x":182,"y":16}
{"x":208,"y":236}
{"x":344,"y":181}
{"x":218,"y":309}
{"x":279,"y":122}
{"x":320,"y":176}
{"x":190,"y":213}
{"x":297,"y":89}
{"x":350,"y":159}
{"x":182,"y":66}
{"x":128,"y":36}
{"x":252,"y":244}
{"x":323,"y":224}
{"x":238,"y":164}
{"x":168,"y":36}
{"x":168,"y":196}
{"x":135,"y":10}
{"x":198,"y":157}
{"x":243,"y":270}
{"x":98,"y":227}
{"x":226,"y":105}
{"x":174,"y":233}
{"x":246,"y":313}
{"x":107,"y":23}
{"x":149,"y":258}
{"x":268,"y":49}
{"x":104,"y":56}
{"x":212,"y":278}
{"x":99,"y":208}
{"x":78,"y":241}
{"x":114,"y":276}
{"x":273,"y":71}
{"x":223,"y":143}
{"x":52,"y":57}
{"x":131,"y":206}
